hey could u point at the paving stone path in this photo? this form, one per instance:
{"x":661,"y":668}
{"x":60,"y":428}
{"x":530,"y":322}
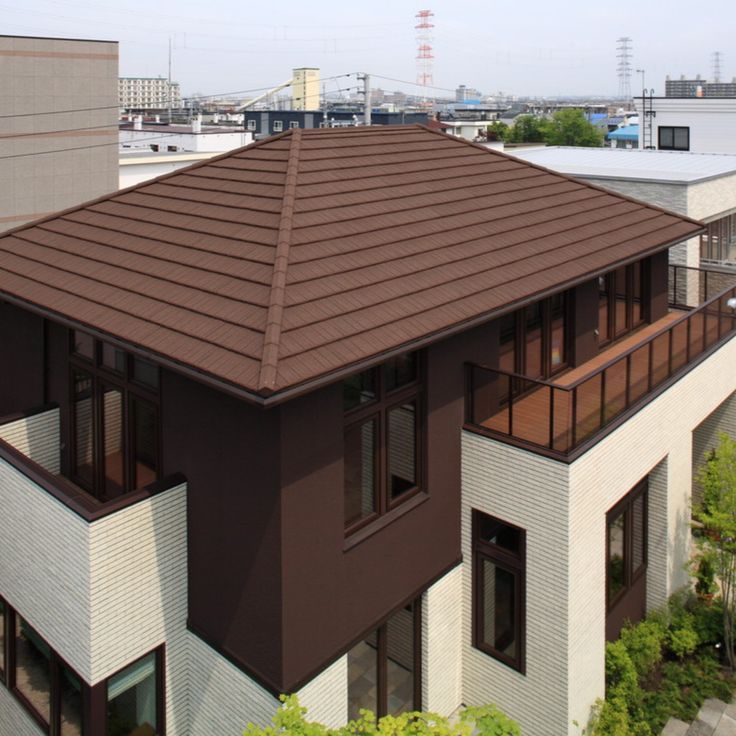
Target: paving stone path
{"x":715,"y":718}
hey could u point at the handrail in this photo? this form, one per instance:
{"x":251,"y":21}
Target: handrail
{"x":569,"y":415}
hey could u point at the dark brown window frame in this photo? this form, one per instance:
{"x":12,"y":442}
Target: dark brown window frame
{"x":521,"y":366}
{"x":644,"y":299}
{"x":624,"y":506}
{"x":719,"y":239}
{"x":673,"y":128}
{"x":381,"y":632}
{"x":512,"y":563}
{"x":160,"y":658}
{"x":378,"y":410}
{"x":130,"y":389}
{"x":56,"y":665}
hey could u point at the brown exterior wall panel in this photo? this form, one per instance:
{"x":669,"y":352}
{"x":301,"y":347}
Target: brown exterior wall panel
{"x":228,"y":451}
{"x":658,"y":278}
{"x":585,"y":321}
{"x":21,"y":370}
{"x":335,"y":592}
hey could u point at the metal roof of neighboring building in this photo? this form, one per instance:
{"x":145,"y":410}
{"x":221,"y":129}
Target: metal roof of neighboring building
{"x":274,"y":267}
{"x":666,"y":167}
{"x":627,"y":133}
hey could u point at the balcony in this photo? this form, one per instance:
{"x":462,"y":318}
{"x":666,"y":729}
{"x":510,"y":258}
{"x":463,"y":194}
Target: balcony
{"x":565,"y":416}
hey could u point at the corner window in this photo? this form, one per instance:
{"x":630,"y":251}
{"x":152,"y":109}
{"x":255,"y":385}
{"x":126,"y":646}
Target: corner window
{"x":499,"y":589}
{"x":49,"y":690}
{"x":135,"y":698}
{"x":626,"y":544}
{"x":673,"y":138}
{"x":278,"y":126}
{"x":383,"y":439}
{"x":114,"y":419}
{"x":384,"y":670}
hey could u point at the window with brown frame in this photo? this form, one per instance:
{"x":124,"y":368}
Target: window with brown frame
{"x":533,"y":341}
{"x":47,"y":688}
{"x":718,"y":243}
{"x":621,"y":302}
{"x":114,"y":425}
{"x":384,"y":670}
{"x":499,"y":589}
{"x":626,"y":543}
{"x":383,"y":456}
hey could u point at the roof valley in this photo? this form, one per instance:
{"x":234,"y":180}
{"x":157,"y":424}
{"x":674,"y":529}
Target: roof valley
{"x":274,"y":319}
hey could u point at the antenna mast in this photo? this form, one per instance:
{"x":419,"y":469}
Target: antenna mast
{"x":717,"y":58}
{"x":425,"y":57}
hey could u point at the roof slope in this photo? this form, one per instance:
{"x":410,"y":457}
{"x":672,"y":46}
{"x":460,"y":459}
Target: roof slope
{"x":282,"y":262}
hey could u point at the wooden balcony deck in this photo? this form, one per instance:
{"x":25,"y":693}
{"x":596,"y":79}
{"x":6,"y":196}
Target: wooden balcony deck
{"x":581,"y":401}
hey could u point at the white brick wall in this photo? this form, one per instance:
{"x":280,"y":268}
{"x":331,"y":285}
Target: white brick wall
{"x":442,"y":617}
{"x":563,"y":508}
{"x":326,"y":696}
{"x":14,"y":721}
{"x":529,"y":491}
{"x":37,"y":437}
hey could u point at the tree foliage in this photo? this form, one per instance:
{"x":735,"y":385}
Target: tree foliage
{"x":565,"y":128}
{"x":717,"y":514}
{"x":571,"y":128}
{"x":291,"y":720}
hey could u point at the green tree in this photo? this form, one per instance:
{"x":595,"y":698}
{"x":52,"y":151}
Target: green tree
{"x":497,"y":131}
{"x":528,"y":129}
{"x":717,"y":514}
{"x":571,"y":128}
{"x":291,"y":720}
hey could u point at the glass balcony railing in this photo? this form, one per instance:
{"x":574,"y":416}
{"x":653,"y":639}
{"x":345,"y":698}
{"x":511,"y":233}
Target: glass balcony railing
{"x":563,"y":417}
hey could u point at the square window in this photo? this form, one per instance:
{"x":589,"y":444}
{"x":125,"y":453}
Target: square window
{"x":278,"y":126}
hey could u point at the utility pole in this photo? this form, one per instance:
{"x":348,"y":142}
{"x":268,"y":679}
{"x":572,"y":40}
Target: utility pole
{"x":169,"y":80}
{"x":367,"y":105}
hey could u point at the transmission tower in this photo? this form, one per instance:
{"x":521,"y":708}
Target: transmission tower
{"x":717,"y":59}
{"x":623,"y":54}
{"x":425,"y":57}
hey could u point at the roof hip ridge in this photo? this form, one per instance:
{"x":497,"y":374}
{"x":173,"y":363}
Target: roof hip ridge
{"x":274,"y":319}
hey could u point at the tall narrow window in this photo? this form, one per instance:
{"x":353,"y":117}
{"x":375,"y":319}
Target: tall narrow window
{"x":384,"y":668}
{"x":33,"y":669}
{"x":622,"y":301}
{"x":382,"y":439}
{"x":626,"y":561}
{"x":499,"y":589}
{"x":134,"y":699}
{"x":114,"y":421}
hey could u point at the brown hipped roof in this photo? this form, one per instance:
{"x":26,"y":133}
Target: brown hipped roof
{"x":294,"y":258}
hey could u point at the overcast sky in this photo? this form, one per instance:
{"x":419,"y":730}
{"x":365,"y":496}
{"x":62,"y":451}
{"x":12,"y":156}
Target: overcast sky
{"x":527,"y":47}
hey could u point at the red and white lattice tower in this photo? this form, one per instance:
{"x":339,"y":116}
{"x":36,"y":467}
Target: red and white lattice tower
{"x":425,"y":57}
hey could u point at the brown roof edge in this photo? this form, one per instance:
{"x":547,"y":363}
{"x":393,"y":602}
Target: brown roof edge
{"x":142,"y":184}
{"x":274,"y":318}
{"x":292,"y":392}
{"x":584,"y":182}
{"x":267,"y":398}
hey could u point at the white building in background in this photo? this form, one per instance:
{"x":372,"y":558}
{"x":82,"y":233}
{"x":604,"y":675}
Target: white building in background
{"x":194,"y":138}
{"x":148,"y":93}
{"x":139,"y":166}
{"x":697,"y":124}
{"x":699,"y":185}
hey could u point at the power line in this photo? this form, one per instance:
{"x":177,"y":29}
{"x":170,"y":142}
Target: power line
{"x":162,"y":100}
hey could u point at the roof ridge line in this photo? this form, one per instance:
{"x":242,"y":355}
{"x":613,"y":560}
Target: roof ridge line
{"x":274,"y":319}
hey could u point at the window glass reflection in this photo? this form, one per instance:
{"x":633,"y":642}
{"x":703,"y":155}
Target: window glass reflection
{"x":33,"y":668}
{"x":402,"y":427}
{"x":131,"y":700}
{"x":360,"y":471}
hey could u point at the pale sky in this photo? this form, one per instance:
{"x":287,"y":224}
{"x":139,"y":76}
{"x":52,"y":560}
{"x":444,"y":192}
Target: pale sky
{"x":528,"y":47}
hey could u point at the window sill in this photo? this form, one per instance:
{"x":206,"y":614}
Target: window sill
{"x":383,"y":521}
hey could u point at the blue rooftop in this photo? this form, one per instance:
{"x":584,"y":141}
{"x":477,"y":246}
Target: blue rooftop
{"x":629,"y":133}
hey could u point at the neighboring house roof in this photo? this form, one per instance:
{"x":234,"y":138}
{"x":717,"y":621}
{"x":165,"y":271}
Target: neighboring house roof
{"x":627,"y":133}
{"x":667,"y":167}
{"x":298,"y":258}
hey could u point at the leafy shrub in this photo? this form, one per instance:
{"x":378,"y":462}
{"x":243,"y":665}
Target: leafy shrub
{"x":290,"y":720}
{"x":643,"y":643}
{"x":611,"y":718}
{"x":682,"y":641}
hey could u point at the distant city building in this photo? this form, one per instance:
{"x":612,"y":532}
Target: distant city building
{"x":698,"y":87}
{"x":194,"y":138}
{"x":148,"y":93}
{"x":262,"y":123}
{"x":63,"y":158}
{"x":305,"y":89}
{"x":463,"y":94}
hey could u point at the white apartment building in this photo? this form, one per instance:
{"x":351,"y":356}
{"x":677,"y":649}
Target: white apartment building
{"x":148,"y":93}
